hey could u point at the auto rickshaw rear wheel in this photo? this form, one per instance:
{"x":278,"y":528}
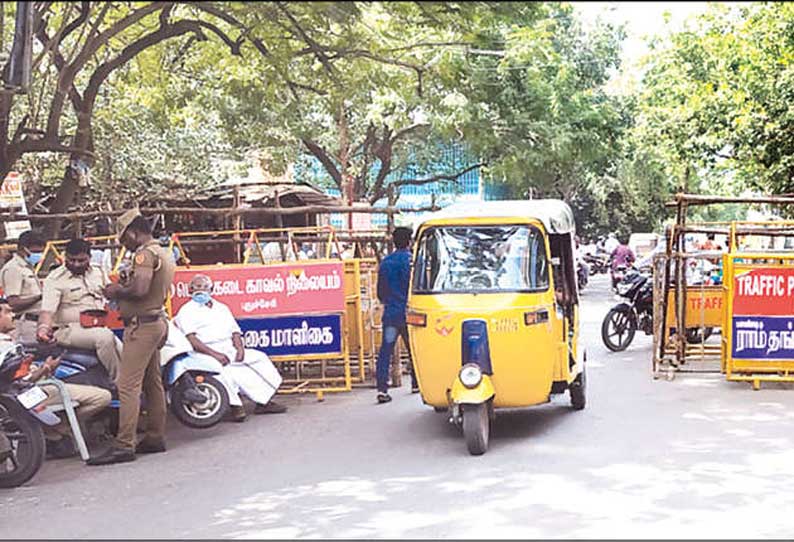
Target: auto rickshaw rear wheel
{"x":441,"y":409}
{"x":476,"y":428}
{"x":578,"y":390}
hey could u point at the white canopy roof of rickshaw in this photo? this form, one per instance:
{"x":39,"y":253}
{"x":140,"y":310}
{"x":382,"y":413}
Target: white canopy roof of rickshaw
{"x":555,"y":214}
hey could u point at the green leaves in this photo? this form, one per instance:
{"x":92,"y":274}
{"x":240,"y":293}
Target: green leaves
{"x":717,"y":98}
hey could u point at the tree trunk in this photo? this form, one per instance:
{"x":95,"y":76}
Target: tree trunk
{"x":83,"y":141}
{"x":344,"y":162}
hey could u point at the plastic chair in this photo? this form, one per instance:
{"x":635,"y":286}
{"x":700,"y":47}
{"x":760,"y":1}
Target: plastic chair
{"x":68,"y":405}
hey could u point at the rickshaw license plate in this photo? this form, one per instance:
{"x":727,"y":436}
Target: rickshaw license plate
{"x":504,"y":325}
{"x":32,"y":397}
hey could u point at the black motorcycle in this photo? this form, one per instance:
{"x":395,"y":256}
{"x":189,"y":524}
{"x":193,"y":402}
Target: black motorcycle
{"x":598,"y":263}
{"x":622,"y":321}
{"x":22,"y":446}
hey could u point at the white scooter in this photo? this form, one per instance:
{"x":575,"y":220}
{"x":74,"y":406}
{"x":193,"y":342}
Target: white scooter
{"x":196,"y":394}
{"x":186,"y":373}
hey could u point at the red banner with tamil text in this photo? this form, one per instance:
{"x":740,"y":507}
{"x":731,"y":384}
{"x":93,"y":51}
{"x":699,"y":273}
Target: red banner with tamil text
{"x":273,"y":290}
{"x":764,"y":292}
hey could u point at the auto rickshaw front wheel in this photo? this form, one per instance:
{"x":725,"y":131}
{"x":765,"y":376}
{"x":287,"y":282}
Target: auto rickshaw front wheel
{"x":578,"y":390}
{"x":476,"y":427}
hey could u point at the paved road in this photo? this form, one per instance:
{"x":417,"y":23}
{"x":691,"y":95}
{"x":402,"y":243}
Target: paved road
{"x":696,"y":457}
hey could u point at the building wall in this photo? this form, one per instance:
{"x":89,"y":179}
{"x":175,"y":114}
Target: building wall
{"x":470,"y":186}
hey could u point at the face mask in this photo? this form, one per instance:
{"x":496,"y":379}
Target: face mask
{"x":33,"y":258}
{"x":202,"y":298}
{"x":77,"y":269}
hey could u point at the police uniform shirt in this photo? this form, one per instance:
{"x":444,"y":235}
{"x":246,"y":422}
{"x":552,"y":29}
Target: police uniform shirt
{"x":18,"y":278}
{"x":66,"y":295}
{"x":162,"y":263}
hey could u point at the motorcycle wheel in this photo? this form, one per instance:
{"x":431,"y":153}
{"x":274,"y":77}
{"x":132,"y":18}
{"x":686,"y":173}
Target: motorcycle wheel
{"x":206,"y":414}
{"x":476,"y":428}
{"x":27,"y":443}
{"x":618,"y":328}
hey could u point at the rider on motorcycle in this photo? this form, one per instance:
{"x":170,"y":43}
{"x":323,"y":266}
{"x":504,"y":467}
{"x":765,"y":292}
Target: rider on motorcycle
{"x":622,"y":255}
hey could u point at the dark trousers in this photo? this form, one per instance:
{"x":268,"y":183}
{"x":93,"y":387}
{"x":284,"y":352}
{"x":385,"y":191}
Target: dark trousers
{"x":391,"y":332}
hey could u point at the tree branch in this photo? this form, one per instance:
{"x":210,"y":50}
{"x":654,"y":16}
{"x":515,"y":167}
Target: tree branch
{"x":59,"y":61}
{"x":405,"y":131}
{"x":316,"y":48}
{"x":384,"y":154}
{"x":429,"y":44}
{"x":164,"y":32}
{"x":324,"y":158}
{"x":85,"y":9}
{"x":234,"y":45}
{"x":47,"y":145}
{"x":361,"y":53}
{"x":219,"y":13}
{"x":436,"y":178}
{"x":92,"y":45}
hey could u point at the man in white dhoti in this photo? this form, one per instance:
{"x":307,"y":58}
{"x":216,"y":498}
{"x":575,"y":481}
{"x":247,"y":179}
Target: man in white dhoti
{"x":212,"y":331}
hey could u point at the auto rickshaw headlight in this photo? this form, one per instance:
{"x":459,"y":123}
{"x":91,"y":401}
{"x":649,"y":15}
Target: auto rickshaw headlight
{"x":470,"y":375}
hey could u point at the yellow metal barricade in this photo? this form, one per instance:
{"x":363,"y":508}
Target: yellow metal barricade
{"x":200,"y":251}
{"x":277,"y":246}
{"x":304,"y":373}
{"x":703,"y":317}
{"x":758,"y":345}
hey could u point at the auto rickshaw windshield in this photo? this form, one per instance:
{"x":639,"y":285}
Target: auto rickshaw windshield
{"x":481,"y":259}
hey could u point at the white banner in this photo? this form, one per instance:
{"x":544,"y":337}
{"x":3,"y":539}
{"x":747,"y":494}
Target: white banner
{"x":13,"y":197}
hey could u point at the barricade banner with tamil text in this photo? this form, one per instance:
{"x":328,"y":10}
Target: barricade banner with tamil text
{"x":763,"y":314}
{"x":294,"y":335}
{"x":272,"y":290}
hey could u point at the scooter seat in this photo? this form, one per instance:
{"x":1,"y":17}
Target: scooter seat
{"x":85,"y":358}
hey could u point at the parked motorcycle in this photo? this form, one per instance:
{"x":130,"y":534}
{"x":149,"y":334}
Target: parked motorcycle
{"x":624,"y":319}
{"x":22,"y":446}
{"x":195,"y":394}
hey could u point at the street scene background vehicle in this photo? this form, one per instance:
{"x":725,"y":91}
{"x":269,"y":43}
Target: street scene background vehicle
{"x":389,"y":237}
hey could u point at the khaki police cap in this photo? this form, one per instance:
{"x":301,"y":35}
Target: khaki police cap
{"x":125,"y":220}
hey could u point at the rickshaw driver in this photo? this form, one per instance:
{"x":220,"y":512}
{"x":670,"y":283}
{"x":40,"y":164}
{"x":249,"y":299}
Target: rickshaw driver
{"x":512,"y":253}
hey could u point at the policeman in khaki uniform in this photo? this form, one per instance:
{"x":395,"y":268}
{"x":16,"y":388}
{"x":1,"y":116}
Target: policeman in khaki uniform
{"x":141,"y":298}
{"x":69,"y":290}
{"x":22,"y":287}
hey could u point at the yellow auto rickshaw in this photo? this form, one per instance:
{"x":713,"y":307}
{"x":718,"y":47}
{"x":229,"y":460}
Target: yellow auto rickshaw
{"x":493,"y":311}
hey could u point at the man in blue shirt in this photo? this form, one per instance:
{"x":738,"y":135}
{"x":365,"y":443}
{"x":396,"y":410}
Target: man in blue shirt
{"x":394,"y":275}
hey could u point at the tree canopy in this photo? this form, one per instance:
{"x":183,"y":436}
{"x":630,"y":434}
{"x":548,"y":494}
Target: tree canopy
{"x":129,"y":100}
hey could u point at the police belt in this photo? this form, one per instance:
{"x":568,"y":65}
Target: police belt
{"x":142,"y":319}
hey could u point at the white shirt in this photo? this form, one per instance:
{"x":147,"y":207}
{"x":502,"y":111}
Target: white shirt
{"x":6,"y":339}
{"x":213,"y":325}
